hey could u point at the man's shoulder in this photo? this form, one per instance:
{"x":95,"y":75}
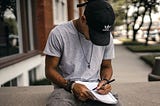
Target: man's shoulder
{"x":64,"y":26}
{"x":63,"y":29}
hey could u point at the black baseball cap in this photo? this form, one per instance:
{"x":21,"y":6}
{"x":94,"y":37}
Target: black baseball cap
{"x":100,"y":19}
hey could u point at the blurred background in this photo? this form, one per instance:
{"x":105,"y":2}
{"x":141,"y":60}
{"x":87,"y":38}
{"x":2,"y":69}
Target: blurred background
{"x":25,"y":25}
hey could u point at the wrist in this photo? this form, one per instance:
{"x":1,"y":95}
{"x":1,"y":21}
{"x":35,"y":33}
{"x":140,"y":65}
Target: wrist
{"x":105,"y":79}
{"x":72,"y":87}
{"x":69,"y":86}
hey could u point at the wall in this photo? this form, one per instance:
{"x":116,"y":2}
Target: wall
{"x":21,"y":69}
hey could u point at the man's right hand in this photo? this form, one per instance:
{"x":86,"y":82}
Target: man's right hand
{"x":81,"y":92}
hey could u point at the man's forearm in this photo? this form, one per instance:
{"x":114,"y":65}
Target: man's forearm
{"x":106,"y":73}
{"x":106,"y":69}
{"x":56,"y":78}
{"x":51,"y":70}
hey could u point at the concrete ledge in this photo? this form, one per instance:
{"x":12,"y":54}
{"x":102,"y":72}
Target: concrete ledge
{"x":130,"y":94}
{"x":139,"y":94}
{"x":25,"y":96}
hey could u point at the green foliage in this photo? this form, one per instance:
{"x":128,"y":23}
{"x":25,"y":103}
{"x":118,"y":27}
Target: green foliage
{"x":132,"y":43}
{"x":118,"y":6}
{"x":149,"y":59}
{"x":143,"y":48}
{"x":7,"y":4}
{"x":42,"y":82}
{"x":149,"y":7}
{"x":12,"y":25}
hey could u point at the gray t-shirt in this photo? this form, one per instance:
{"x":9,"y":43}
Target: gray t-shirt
{"x":64,"y":42}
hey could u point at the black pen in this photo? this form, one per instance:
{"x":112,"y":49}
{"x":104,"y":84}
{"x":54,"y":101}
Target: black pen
{"x":107,"y":82}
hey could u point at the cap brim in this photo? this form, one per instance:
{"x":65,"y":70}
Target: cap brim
{"x":99,"y":38}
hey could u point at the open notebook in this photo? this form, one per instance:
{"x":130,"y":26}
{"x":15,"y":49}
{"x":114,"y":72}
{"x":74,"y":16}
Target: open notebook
{"x":108,"y":98}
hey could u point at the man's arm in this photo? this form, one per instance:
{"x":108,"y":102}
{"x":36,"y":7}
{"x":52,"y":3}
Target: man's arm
{"x":51,"y":65}
{"x":105,"y":73}
{"x":51,"y":73}
{"x":106,"y":70}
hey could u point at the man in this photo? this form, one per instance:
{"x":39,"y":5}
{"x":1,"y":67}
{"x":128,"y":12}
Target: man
{"x":81,"y":49}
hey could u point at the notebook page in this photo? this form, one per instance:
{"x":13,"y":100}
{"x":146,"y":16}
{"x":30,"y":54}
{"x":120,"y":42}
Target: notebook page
{"x":108,"y":98}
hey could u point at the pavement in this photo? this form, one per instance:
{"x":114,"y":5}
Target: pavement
{"x":127,"y":66}
{"x":131,"y":74}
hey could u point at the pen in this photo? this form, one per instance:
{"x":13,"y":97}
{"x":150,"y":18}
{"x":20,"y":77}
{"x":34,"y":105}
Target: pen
{"x":107,"y":82}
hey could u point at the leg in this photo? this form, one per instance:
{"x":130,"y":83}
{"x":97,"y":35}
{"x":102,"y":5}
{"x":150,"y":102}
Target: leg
{"x":60,"y":97}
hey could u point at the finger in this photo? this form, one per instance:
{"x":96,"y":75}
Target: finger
{"x":90,"y":95}
{"x":107,"y":86}
{"x":103,"y":92}
{"x":100,"y":84}
{"x":81,"y":92}
{"x":104,"y":89}
{"x":83,"y":97}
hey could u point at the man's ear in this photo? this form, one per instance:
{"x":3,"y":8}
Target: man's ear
{"x":83,"y":19}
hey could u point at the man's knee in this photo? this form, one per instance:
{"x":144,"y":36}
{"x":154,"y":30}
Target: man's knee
{"x":59,"y":103}
{"x":60,"y":97}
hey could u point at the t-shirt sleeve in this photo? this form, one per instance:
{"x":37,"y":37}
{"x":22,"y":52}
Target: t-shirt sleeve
{"x":54,"y":44}
{"x":109,"y":50}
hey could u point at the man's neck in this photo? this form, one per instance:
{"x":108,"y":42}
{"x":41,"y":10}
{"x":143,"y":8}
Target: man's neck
{"x":78,"y":26}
